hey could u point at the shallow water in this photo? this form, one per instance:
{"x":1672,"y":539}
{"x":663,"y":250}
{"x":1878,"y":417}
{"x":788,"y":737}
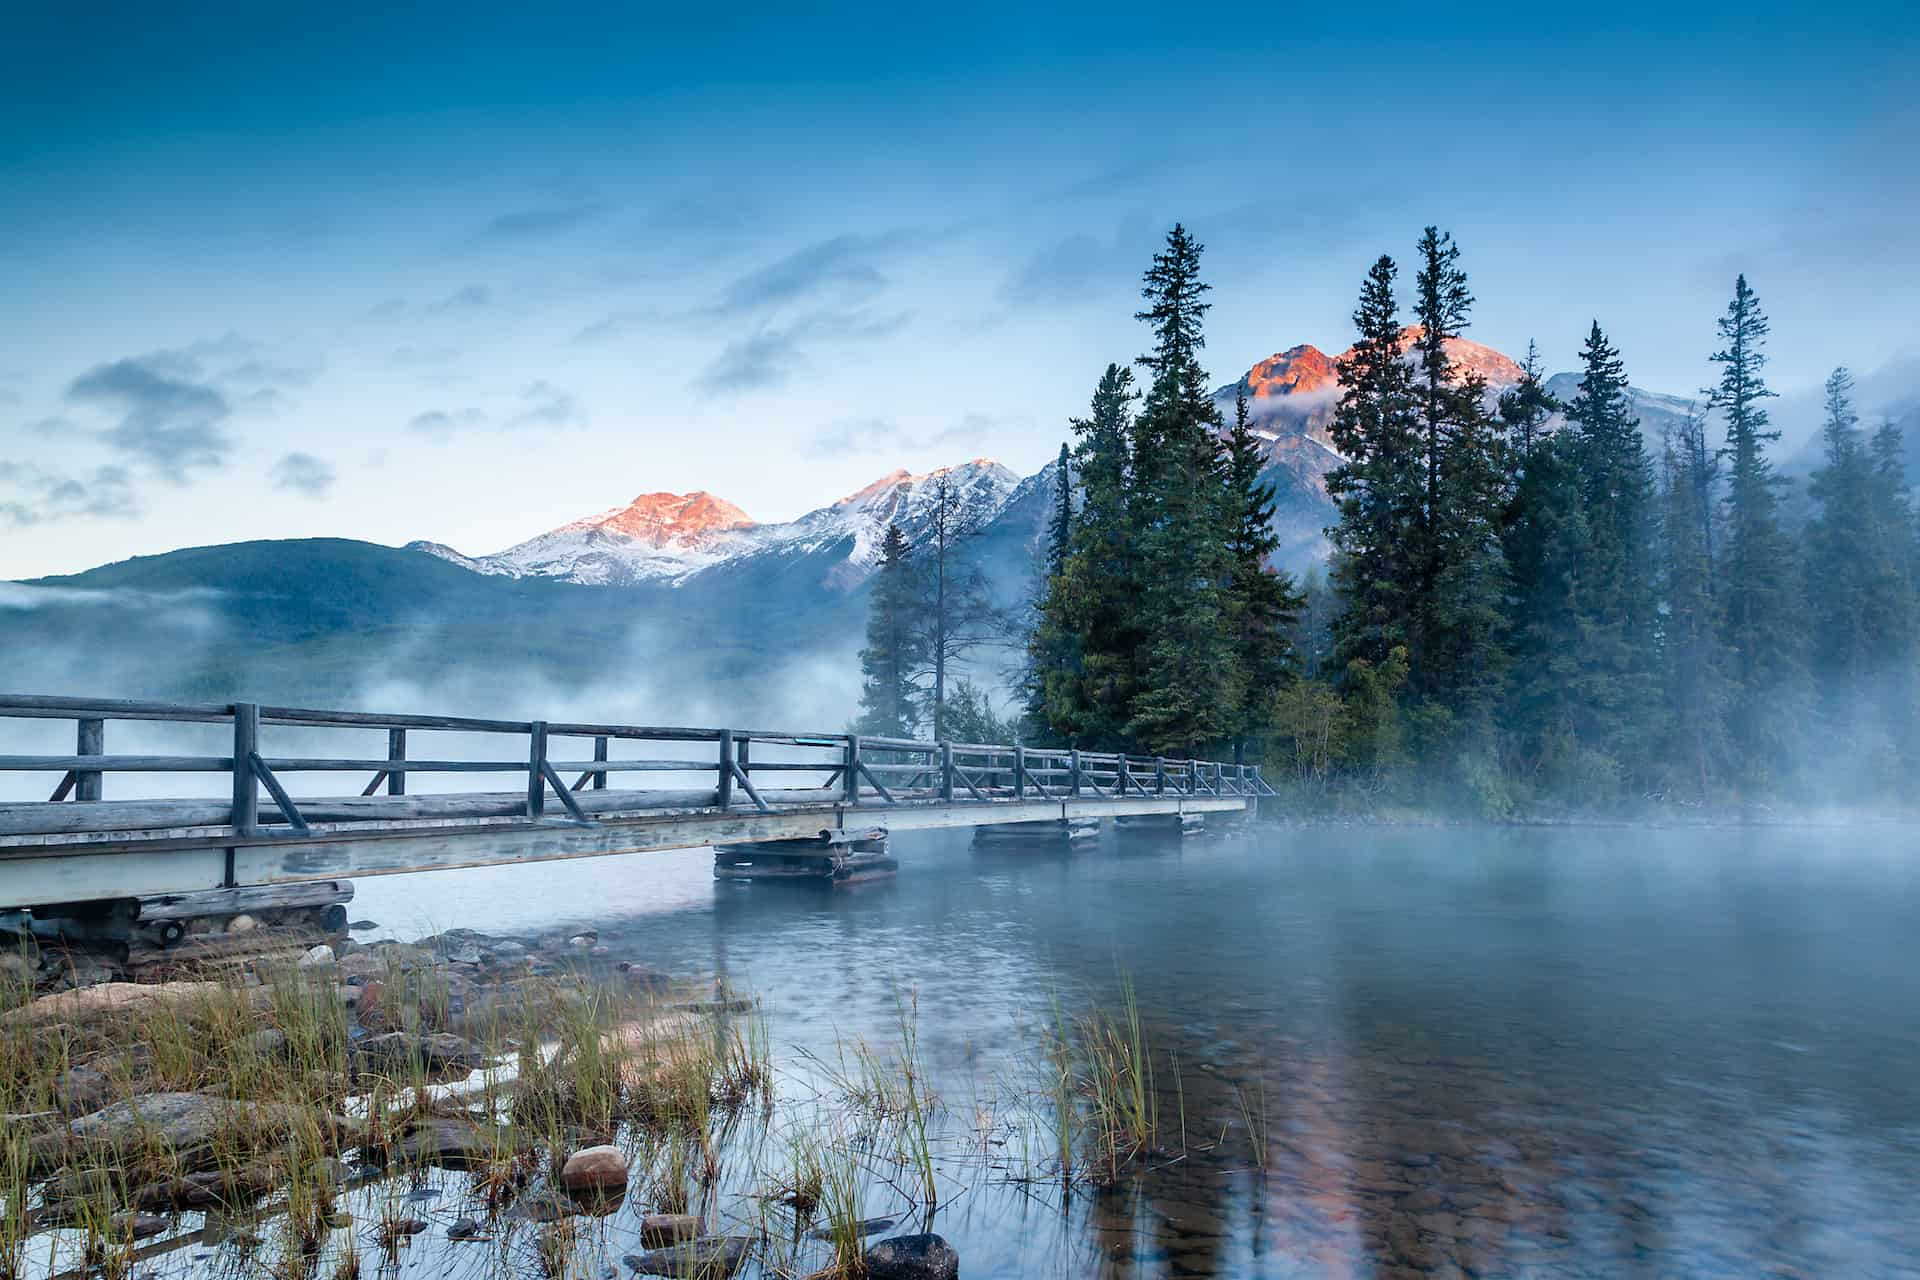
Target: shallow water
{"x":1530,"y":1052}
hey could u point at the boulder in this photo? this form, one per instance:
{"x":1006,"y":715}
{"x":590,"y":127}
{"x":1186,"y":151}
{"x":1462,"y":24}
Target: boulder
{"x":138,"y":1226}
{"x":241,"y":924}
{"x":922,"y":1257}
{"x":599,"y":1169}
{"x":184,"y":1123}
{"x":657,"y":1229}
{"x":429,"y":1051}
{"x":704,"y":1258}
{"x":317,"y":957}
{"x":450,"y":1143}
{"x":466,"y":1229}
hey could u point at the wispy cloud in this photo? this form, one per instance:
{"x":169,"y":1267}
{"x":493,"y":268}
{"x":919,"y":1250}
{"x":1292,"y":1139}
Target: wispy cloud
{"x":770,"y":356}
{"x":166,"y":420}
{"x":544,"y":405}
{"x":471,"y":298}
{"x":304,"y":474}
{"x":442,"y":421}
{"x":872,"y":435}
{"x":39,"y":496}
{"x":528,"y":224}
{"x":843,"y":266}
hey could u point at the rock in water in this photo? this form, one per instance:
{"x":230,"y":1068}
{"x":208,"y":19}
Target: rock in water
{"x":707,"y":1258}
{"x":602,"y":1168}
{"x":657,"y":1229}
{"x":925,"y":1257}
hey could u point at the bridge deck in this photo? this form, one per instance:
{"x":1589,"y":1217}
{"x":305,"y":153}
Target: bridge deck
{"x":80,"y":847}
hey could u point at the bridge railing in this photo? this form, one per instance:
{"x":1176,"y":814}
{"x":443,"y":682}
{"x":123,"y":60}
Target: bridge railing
{"x":562,"y":782}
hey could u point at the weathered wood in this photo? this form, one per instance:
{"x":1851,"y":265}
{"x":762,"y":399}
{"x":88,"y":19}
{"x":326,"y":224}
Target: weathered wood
{"x":536,"y":772}
{"x":245,"y":818}
{"x":600,"y":757}
{"x":288,"y":810}
{"x":90,"y":739}
{"x":396,"y":754}
{"x":851,"y":778}
{"x":65,"y":788}
{"x":726,"y":768}
{"x":116,"y":764}
{"x":228,"y":902}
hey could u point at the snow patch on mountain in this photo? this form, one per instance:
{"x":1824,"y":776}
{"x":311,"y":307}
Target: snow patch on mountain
{"x":665,"y":537}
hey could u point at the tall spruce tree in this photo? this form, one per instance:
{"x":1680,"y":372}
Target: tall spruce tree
{"x":1456,"y":655}
{"x":1756,"y":574}
{"x":889,"y":699}
{"x":1379,"y":487}
{"x":1093,"y":602}
{"x":1697,"y":684}
{"x":1053,"y":647}
{"x":1192,"y":681}
{"x":956,"y":611}
{"x":1617,"y":576}
{"x":1264,"y":603}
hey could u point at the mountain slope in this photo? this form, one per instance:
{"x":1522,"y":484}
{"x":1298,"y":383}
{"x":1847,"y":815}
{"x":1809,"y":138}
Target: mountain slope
{"x":673,"y":538}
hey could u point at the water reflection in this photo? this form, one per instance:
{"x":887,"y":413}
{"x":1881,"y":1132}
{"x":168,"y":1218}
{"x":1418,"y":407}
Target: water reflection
{"x":1542,"y":1052}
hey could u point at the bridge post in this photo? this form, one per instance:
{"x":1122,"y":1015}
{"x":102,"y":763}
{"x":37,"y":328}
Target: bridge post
{"x":536,"y":773}
{"x":92,"y":741}
{"x":600,"y":757}
{"x":1019,"y":773}
{"x":850,"y":782}
{"x":246,"y":794}
{"x":946,"y":771}
{"x":1073,"y":772}
{"x":1160,"y":775}
{"x":396,"y":750}
{"x":1193,"y":777}
{"x":726,"y":768}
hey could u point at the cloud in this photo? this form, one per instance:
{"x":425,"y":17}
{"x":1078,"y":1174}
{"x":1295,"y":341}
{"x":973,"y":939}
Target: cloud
{"x":47,"y":497}
{"x":761,"y":360}
{"x":842,"y":265}
{"x":545,"y":405}
{"x":532,"y":223}
{"x":303,"y":473}
{"x":615,"y":324}
{"x":771,"y":356}
{"x":167,"y":421}
{"x":884,"y":435}
{"x":413,"y":356}
{"x":471,"y":298}
{"x":1075,"y":269}
{"x":439,"y":421}
{"x":265,"y":374}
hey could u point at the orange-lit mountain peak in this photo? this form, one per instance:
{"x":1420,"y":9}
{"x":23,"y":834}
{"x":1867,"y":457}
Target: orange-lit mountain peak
{"x":664,"y":519}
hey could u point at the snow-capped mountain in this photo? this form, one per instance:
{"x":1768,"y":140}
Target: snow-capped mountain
{"x":666,"y":537}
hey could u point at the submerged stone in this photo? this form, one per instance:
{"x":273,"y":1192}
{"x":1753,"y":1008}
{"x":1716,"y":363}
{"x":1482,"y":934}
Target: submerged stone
{"x":921,"y":1257}
{"x":705,"y":1258}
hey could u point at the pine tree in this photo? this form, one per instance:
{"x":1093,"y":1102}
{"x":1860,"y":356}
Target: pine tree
{"x":1192,"y":682}
{"x":1455,"y":659}
{"x":1616,"y":490}
{"x":1093,"y":603}
{"x":1379,"y":487}
{"x":1053,"y":647}
{"x":1263,"y":602}
{"x":889,"y":700}
{"x":956,"y":613}
{"x":1756,"y":574}
{"x":1696,"y":680}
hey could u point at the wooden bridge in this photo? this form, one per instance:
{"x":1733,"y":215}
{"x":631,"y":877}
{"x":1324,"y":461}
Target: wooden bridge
{"x":249,"y":831}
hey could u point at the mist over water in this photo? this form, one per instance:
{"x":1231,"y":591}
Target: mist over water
{"x":1504,"y":1051}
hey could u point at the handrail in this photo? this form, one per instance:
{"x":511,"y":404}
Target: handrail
{"x":957,"y":772}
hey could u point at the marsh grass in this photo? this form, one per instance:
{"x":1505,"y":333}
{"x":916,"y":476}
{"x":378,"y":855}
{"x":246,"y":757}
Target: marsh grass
{"x":1253,"y":1114}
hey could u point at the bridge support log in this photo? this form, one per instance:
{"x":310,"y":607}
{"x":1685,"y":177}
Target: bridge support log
{"x":1059,"y":835}
{"x":831,"y":858}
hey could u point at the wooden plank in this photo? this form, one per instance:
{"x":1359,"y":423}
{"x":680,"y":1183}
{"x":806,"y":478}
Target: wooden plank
{"x":65,"y":788}
{"x":536,"y":769}
{"x":246,"y":744}
{"x":288,"y":809}
{"x":115,"y":764}
{"x":90,"y":739}
{"x":220,"y":902}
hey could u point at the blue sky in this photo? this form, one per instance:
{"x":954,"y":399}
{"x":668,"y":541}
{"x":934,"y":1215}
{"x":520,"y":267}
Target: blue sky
{"x":467,"y":272}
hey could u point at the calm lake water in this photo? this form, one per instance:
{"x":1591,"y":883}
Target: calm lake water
{"x":1581,"y":1052}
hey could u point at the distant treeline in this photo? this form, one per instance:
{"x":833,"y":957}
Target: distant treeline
{"x":1528,"y":605}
